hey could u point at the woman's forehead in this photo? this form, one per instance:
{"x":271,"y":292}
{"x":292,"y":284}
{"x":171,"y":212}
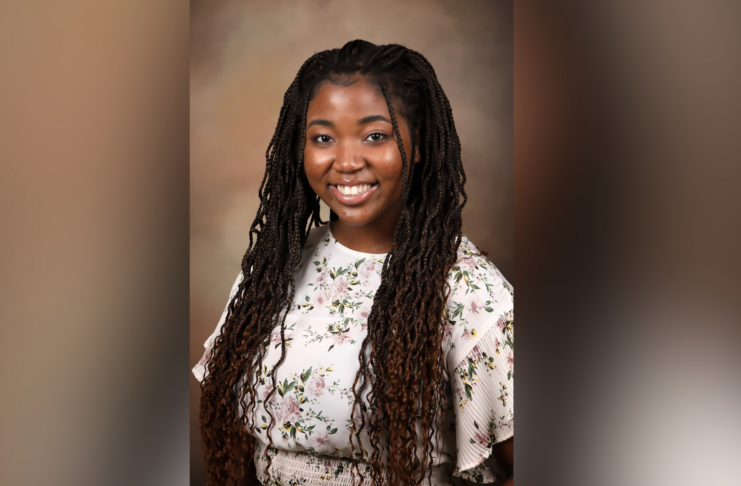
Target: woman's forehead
{"x":361,"y":97}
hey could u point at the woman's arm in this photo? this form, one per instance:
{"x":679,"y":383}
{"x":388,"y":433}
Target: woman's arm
{"x":504,"y":453}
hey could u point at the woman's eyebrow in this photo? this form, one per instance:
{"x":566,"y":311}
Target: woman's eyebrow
{"x":373,"y":118}
{"x":320,"y":122}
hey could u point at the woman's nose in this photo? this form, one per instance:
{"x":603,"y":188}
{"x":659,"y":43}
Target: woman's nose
{"x":349,"y":158}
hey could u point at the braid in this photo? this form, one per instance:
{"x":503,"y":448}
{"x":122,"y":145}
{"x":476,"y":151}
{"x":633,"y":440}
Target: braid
{"x":404,"y":367}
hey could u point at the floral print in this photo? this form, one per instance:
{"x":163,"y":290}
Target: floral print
{"x":310,"y":402}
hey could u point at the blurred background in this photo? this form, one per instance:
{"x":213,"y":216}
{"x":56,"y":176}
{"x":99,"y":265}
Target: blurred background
{"x":626,"y":227}
{"x":244,"y":55}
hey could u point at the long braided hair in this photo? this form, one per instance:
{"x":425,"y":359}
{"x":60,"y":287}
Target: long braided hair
{"x":404,"y":371}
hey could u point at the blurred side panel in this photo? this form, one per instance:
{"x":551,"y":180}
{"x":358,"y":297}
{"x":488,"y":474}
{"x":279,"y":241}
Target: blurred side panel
{"x":627,"y":235}
{"x":94,"y":242}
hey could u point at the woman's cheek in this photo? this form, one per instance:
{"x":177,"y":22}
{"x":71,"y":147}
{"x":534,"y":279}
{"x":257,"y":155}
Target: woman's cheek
{"x":390,"y":168}
{"x":313,"y":169}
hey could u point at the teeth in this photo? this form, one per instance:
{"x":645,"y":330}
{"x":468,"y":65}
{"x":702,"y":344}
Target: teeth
{"x":353,"y":190}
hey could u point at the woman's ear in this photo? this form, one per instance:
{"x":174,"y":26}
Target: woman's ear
{"x":417,"y":153}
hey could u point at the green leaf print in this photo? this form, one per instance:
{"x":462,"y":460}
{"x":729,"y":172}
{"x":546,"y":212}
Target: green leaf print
{"x":458,"y":312}
{"x":306,"y":374}
{"x":489,"y":289}
{"x":468,"y":388}
{"x":359,"y":262}
{"x":509,"y":342}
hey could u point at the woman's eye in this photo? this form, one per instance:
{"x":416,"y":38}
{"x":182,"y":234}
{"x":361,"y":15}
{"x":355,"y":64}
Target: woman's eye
{"x":323,"y":138}
{"x":376,"y":137}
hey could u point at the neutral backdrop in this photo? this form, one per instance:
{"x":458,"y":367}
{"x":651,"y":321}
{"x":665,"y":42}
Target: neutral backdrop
{"x":244,"y":55}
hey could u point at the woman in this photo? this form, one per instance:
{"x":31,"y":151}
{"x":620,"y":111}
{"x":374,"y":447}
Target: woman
{"x":377,"y":348}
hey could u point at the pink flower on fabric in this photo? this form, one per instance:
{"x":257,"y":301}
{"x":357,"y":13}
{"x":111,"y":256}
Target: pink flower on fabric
{"x":319,"y":299}
{"x":316,"y":386}
{"x":511,"y":361}
{"x":339,"y":289}
{"x":476,"y":353}
{"x":467,"y":263}
{"x":481,"y":438}
{"x":367,"y":270}
{"x":278,"y":414}
{"x":466,"y":334}
{"x":268,"y":389}
{"x":501,"y":323}
{"x":291,"y":411}
{"x":275,"y":337}
{"x":340,"y":338}
{"x":322,"y":276}
{"x":322,"y":438}
{"x":475,"y":306}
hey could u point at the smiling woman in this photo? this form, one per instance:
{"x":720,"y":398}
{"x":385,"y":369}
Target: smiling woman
{"x":353,"y":163}
{"x":377,"y":347}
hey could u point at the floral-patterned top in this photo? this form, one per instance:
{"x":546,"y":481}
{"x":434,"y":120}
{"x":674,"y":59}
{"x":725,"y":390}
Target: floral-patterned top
{"x":325,"y":327}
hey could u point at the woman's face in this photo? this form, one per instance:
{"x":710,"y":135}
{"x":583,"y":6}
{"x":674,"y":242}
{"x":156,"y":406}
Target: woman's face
{"x":351,"y":156}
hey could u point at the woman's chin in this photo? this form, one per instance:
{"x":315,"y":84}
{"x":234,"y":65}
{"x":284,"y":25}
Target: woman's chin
{"x":353,"y":220}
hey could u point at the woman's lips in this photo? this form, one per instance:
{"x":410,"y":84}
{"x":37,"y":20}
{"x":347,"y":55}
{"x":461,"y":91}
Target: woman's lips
{"x":354,"y":199}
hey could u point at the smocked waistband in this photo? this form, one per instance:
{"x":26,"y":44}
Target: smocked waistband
{"x":288,"y":468}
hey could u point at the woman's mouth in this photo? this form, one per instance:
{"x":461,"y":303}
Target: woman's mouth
{"x":354,"y":194}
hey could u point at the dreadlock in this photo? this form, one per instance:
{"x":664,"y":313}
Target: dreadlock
{"x":404,"y":370}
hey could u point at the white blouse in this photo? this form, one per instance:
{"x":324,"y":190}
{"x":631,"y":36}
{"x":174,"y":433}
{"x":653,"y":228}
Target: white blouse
{"x":325,"y":327}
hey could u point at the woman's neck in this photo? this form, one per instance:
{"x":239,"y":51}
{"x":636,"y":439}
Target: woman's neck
{"x":373,"y":237}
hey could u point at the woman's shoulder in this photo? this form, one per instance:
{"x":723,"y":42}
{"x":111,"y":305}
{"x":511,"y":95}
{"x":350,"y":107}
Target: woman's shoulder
{"x":475,"y":272}
{"x":480,"y":299}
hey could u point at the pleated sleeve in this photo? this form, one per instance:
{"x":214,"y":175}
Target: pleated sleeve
{"x":199,"y":370}
{"x":480,"y":361}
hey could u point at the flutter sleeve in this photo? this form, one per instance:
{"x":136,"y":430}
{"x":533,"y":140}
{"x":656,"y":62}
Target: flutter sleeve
{"x":199,"y":370}
{"x":480,"y":361}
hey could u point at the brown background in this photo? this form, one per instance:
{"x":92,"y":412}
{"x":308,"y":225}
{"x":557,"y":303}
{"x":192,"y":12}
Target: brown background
{"x":627,"y":379}
{"x":243,"y":57}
